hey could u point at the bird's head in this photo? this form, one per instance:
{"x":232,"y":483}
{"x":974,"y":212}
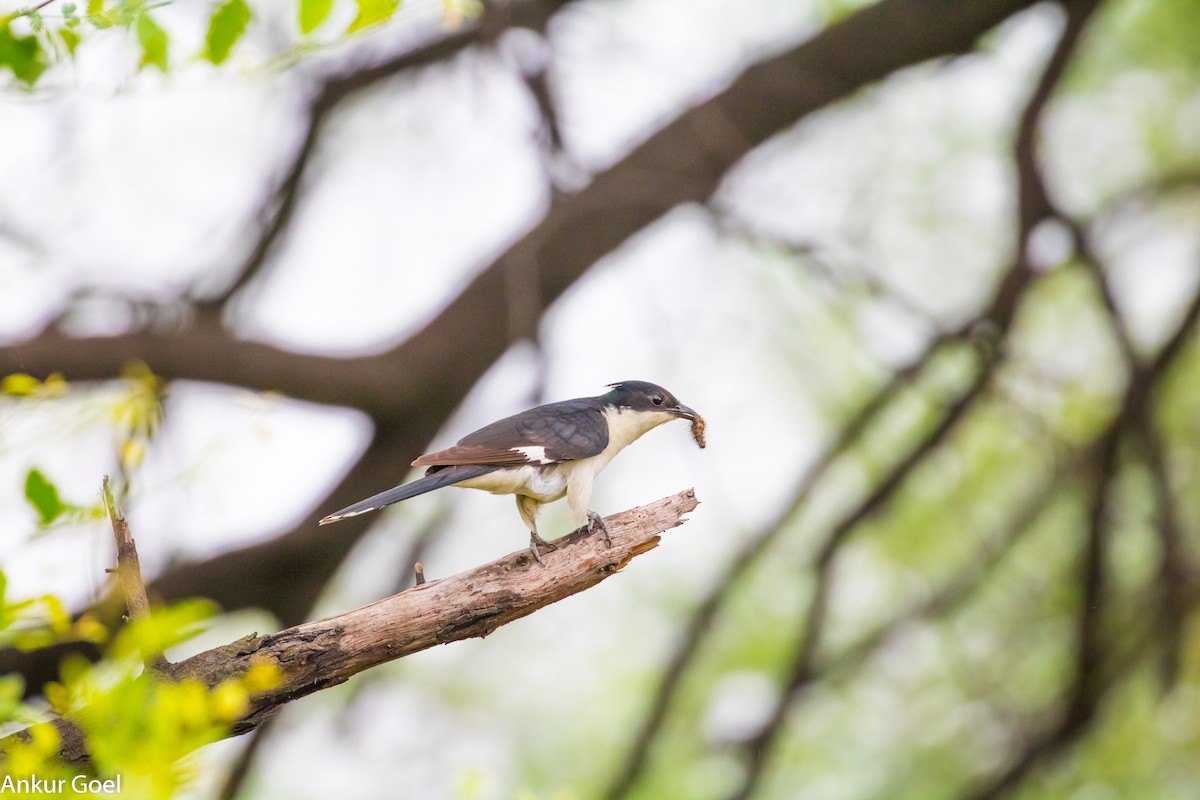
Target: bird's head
{"x":640,"y":396}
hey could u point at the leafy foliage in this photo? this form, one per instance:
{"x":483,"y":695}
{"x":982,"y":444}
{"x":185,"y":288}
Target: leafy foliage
{"x":136,"y":724}
{"x":32,"y":42}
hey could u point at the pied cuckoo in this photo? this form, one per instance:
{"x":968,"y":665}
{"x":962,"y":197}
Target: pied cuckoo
{"x":544,"y":454}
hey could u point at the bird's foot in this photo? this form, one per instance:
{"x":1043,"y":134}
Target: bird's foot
{"x":535,"y":542}
{"x":596,"y":521}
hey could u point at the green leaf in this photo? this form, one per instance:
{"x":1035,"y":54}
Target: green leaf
{"x":153,"y":40}
{"x":226,"y":26}
{"x":43,"y":496}
{"x":23,"y":55}
{"x":312,"y":13}
{"x":373,"y":12}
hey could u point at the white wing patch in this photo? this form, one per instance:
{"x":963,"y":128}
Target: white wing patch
{"x":535,"y":455}
{"x":346,"y":514}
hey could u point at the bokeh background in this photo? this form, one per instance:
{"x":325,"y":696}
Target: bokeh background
{"x":929,"y":270}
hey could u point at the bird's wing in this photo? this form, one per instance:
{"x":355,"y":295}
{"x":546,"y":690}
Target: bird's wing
{"x":565,"y":431}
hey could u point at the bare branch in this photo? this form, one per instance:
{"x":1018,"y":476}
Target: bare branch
{"x":129,"y":571}
{"x":317,"y":655}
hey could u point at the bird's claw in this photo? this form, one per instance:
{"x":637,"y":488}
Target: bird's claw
{"x":534,"y":542}
{"x":596,"y":521}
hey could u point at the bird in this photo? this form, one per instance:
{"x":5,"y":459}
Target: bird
{"x":542,"y":455}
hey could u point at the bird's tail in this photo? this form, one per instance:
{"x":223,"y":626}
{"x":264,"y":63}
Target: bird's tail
{"x":443,"y":477}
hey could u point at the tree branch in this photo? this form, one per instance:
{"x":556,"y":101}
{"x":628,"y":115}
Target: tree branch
{"x":680,"y":163}
{"x":327,"y":652}
{"x":1092,"y":677}
{"x":129,"y":570}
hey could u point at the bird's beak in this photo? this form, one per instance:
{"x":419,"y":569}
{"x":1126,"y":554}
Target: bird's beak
{"x":683,"y":412}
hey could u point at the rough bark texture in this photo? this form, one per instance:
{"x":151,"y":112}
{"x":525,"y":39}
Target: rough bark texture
{"x":324,"y":653}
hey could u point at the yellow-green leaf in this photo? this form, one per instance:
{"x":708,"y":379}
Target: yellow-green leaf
{"x":58,"y":696}
{"x":373,"y":12}
{"x":88,"y":629}
{"x":153,"y":40}
{"x":312,"y":13}
{"x":225,"y":28}
{"x":69,"y":38}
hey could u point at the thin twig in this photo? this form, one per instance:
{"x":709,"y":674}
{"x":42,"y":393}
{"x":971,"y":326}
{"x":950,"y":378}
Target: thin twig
{"x":25,"y":12}
{"x":419,"y":545}
{"x":129,"y":572}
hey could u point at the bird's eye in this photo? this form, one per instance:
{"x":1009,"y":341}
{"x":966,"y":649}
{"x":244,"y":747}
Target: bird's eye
{"x":657,"y":399}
